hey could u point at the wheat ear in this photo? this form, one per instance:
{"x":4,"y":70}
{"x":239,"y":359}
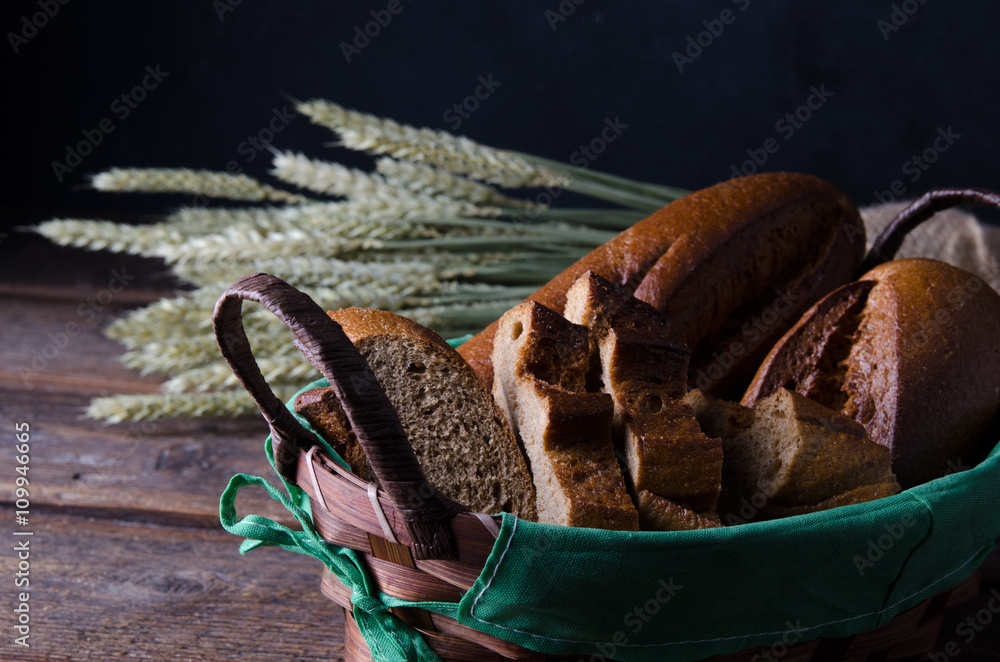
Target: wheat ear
{"x":422,"y":179}
{"x":458,"y":154}
{"x":192,"y":182}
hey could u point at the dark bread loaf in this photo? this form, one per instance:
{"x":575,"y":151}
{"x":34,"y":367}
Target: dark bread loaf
{"x":465,"y":447}
{"x":719,"y":261}
{"x":912,"y":352}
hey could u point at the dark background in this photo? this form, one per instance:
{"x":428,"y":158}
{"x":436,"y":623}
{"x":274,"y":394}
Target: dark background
{"x":229,"y":66}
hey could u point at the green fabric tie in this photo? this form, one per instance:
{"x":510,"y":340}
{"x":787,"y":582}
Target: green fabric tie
{"x":388,"y":637}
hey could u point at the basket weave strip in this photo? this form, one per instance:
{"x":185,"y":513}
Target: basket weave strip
{"x":355,"y":519}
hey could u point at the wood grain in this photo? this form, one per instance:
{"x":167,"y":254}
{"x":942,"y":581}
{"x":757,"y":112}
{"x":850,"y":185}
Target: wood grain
{"x":105,"y":589}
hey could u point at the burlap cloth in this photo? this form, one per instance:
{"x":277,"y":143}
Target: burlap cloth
{"x":954,"y":236}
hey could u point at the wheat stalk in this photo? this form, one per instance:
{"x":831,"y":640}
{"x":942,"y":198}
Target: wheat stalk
{"x":329,"y":178}
{"x":218,"y":376}
{"x":193,"y":182}
{"x":423,"y":235}
{"x":458,"y":154}
{"x":120,"y":408}
{"x":422,"y":179}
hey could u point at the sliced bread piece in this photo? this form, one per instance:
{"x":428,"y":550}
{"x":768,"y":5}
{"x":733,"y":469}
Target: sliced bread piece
{"x":857,"y":495}
{"x":798,"y":453}
{"x":461,"y":439}
{"x":665,"y":451}
{"x":659,"y":514}
{"x":540,"y":361}
{"x":321,"y":408}
{"x":718,"y":418}
{"x":600,"y":305}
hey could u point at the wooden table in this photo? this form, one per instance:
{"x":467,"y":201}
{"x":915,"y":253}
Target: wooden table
{"x":127,"y":558}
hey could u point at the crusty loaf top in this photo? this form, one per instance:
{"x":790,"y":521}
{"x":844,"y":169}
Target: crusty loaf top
{"x":362,"y":322}
{"x":703,"y":219}
{"x":912,"y":351}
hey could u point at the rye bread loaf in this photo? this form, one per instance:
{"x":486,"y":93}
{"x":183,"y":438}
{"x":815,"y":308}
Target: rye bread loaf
{"x":733,"y":266}
{"x":541,"y":364}
{"x":912,"y":352}
{"x":665,"y":451}
{"x":461,"y":439}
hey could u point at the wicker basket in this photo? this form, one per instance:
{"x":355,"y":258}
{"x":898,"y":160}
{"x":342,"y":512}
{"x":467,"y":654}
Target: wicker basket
{"x":433,"y":551}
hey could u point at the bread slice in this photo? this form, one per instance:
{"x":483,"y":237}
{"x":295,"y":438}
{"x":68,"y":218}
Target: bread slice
{"x":322,"y":409}
{"x":461,"y":439}
{"x":665,"y":451}
{"x":541,"y":363}
{"x":857,"y":495}
{"x":718,"y":418}
{"x":659,"y":514}
{"x":795,"y":455}
{"x":600,"y":305}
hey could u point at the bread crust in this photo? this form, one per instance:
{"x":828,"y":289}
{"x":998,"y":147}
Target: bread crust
{"x":657,"y":258}
{"x":321,"y":408}
{"x":366,"y":322}
{"x":920,"y":368}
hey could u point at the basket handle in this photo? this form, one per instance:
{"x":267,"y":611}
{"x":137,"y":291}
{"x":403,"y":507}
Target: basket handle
{"x":323,"y":342}
{"x":920,"y":210}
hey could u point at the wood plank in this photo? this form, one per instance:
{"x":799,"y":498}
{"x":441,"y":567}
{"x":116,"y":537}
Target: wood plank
{"x":170,"y":470}
{"x":58,"y":345}
{"x":31,"y":264}
{"x":177,"y":467}
{"x":104,"y":590}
